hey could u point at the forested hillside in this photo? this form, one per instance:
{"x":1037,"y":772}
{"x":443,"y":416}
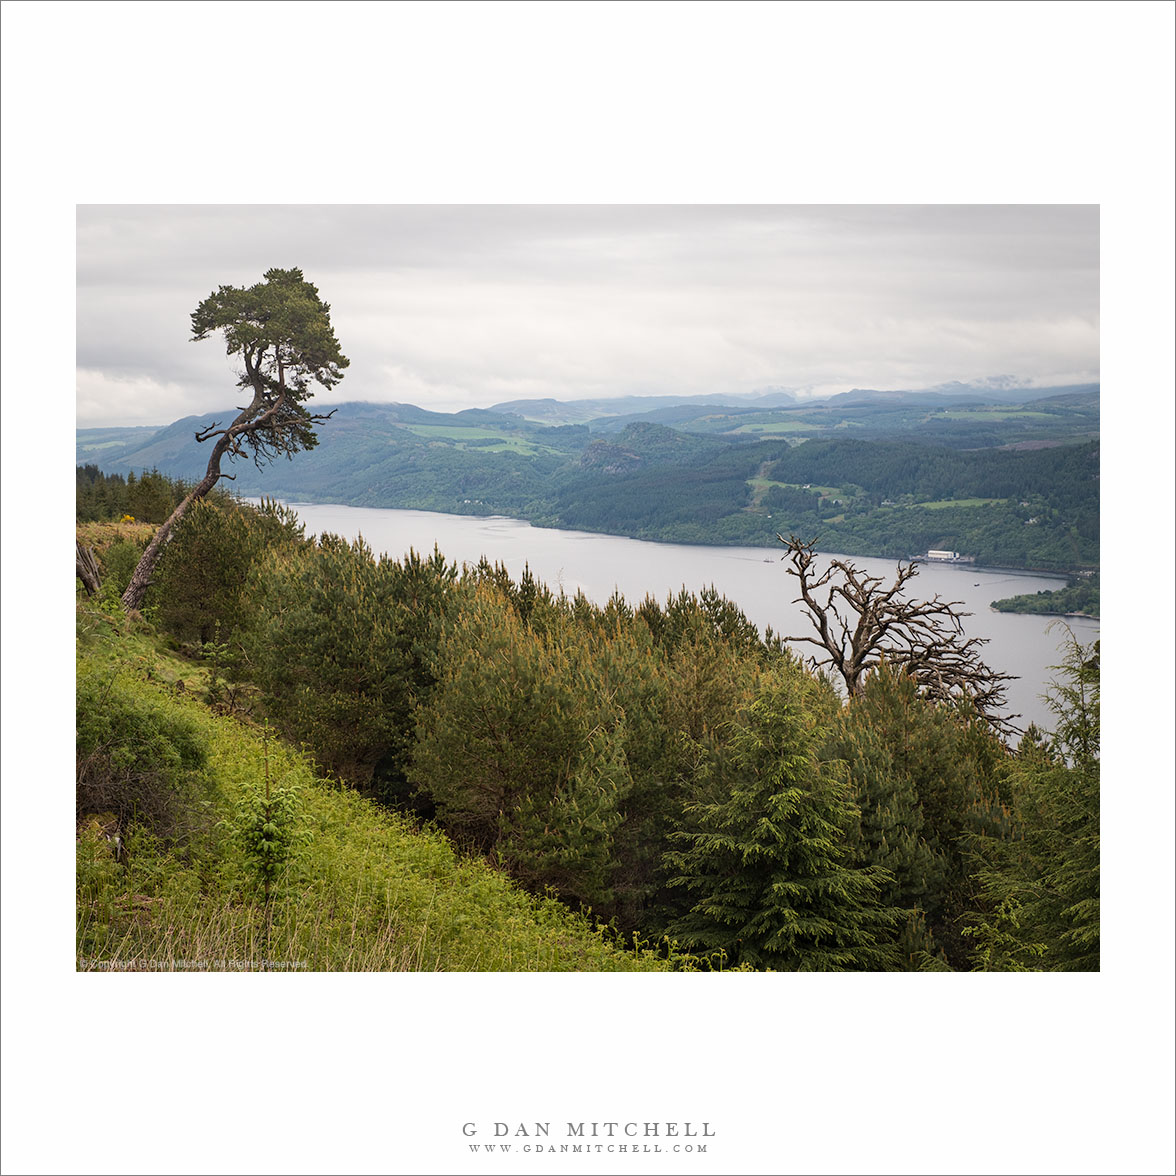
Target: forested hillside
{"x":491,"y":775}
{"x":866,"y":478}
{"x":960,"y":419}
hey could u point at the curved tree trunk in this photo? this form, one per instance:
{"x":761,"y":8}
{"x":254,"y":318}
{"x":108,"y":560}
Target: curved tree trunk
{"x":132,"y":598}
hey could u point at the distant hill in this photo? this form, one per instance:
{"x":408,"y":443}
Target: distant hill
{"x":958,"y":417}
{"x":362,"y":438}
{"x":878,"y":474}
{"x":626,"y":408}
{"x":95,"y":444}
{"x":959,"y":393}
{"x":577,"y":412}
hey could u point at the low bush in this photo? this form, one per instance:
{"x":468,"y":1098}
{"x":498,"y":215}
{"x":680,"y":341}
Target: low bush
{"x":118,"y":563}
{"x":138,"y":759}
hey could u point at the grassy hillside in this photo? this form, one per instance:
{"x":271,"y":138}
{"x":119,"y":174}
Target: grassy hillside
{"x":364,"y":890}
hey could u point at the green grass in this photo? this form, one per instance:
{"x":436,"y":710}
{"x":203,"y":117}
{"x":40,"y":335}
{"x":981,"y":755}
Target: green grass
{"x":760,"y":487}
{"x":510,"y":445}
{"x":775,"y":428}
{"x":824,"y":491}
{"x":366,"y":890}
{"x":994,"y":414}
{"x":454,"y":432}
{"x":459,"y":433}
{"x":943,"y":504}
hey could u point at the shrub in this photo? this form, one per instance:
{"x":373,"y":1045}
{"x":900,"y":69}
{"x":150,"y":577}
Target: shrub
{"x":200,"y":583}
{"x":521,"y":751}
{"x":118,"y":563}
{"x":343,"y":648}
{"x":137,"y":759}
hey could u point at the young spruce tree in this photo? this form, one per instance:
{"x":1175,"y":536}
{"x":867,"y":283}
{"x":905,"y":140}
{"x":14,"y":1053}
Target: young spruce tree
{"x":768,"y":866}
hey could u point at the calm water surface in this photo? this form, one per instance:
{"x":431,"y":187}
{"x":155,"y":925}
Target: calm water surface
{"x":753,"y":577}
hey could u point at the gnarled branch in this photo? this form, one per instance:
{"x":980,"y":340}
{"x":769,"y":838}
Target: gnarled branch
{"x":861,"y":622}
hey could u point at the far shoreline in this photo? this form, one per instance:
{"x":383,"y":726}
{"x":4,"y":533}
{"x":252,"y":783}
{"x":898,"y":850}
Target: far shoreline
{"x":1010,"y":569}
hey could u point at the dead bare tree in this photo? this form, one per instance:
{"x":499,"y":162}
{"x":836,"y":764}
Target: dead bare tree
{"x":88,"y":572}
{"x":861,"y":621}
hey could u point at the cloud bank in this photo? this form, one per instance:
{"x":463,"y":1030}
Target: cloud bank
{"x":451,"y":306}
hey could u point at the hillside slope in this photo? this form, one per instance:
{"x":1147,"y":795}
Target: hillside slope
{"x":365,"y":890}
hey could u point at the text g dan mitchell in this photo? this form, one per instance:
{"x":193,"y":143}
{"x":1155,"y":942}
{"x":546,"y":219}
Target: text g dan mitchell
{"x":608,"y":1129}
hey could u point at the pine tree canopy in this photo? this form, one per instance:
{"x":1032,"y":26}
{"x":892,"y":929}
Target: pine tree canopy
{"x":281,"y":329}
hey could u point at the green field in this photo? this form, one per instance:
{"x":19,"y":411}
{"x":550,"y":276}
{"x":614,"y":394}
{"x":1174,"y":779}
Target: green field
{"x":460,"y":433}
{"x":454,"y":432}
{"x":994,"y":414}
{"x":767,"y":483}
{"x":775,"y":428}
{"x":943,"y":504}
{"x":823,"y":491}
{"x":760,"y":486}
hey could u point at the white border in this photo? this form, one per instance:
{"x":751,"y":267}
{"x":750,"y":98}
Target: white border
{"x":694,"y":102}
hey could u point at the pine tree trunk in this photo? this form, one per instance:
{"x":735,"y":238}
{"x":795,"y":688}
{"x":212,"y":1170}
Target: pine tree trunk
{"x":132,"y":598}
{"x":248,"y":423}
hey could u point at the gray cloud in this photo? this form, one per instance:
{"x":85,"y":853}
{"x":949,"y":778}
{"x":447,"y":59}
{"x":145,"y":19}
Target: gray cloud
{"x":452,"y":306}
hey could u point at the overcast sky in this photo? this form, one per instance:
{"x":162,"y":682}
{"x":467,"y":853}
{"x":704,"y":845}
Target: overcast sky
{"x":454,"y":306}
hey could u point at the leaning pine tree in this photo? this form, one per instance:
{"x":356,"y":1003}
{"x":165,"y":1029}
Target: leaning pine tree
{"x":768,"y":866}
{"x":282,"y":332}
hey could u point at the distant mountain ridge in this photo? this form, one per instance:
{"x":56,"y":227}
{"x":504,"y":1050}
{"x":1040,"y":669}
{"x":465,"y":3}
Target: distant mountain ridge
{"x":1001,"y":390}
{"x":956,"y":392}
{"x":866,"y":413}
{"x":550,"y":411}
{"x":1011,"y":483}
{"x":663,"y":408}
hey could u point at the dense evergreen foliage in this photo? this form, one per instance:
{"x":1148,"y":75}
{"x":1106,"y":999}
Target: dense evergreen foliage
{"x":543,"y":773}
{"x":660,"y":764}
{"x":1039,"y":888}
{"x":202,"y":579}
{"x":767,"y":863}
{"x":148,"y":498}
{"x":927,"y":780}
